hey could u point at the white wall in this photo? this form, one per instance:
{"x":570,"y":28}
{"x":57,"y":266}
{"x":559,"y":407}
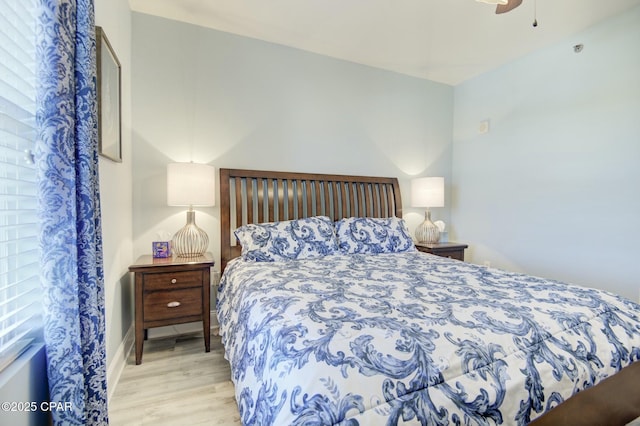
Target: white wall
{"x":116,"y":199}
{"x":211,"y":97}
{"x":554,"y":188}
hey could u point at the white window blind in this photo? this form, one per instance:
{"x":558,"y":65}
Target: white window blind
{"x":20,"y":304}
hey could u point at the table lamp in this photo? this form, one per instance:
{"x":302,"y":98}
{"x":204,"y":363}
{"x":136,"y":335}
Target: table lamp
{"x":427,"y":192}
{"x":190,"y":184}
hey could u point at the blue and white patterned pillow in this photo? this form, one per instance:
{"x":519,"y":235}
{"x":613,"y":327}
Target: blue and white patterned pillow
{"x":306,"y":238}
{"x":373,"y":235}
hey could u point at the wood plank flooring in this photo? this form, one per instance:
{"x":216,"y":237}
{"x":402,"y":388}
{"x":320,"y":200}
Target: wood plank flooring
{"x":178,"y":383}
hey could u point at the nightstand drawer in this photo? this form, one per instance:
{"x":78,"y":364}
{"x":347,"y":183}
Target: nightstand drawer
{"x":162,"y":305}
{"x":453,"y":254}
{"x":450,"y":250}
{"x":172,"y":280}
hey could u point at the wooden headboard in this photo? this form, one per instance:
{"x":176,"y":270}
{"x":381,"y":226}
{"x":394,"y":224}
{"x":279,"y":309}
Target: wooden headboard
{"x":256,"y":196}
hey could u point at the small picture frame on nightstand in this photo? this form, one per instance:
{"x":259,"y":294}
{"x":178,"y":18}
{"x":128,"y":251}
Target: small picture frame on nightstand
{"x":161,"y":249}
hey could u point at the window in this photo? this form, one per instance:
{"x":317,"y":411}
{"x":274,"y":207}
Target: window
{"x":20,"y":305}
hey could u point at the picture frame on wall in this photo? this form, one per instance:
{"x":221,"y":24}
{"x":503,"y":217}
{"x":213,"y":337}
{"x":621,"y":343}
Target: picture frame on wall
{"x":109,"y":95}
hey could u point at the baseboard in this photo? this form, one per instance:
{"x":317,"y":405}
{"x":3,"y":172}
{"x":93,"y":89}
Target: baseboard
{"x":114,"y":370}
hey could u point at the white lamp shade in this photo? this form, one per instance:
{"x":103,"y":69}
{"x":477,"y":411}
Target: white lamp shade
{"x":427,"y":192}
{"x":190,"y":184}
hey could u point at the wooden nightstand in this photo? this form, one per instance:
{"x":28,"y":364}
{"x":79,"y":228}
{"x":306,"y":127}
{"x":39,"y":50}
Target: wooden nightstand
{"x":172,"y":291}
{"x":450,"y":250}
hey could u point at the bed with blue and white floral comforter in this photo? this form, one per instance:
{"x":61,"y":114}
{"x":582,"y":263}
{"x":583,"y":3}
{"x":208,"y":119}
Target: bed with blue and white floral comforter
{"x":411,"y":338}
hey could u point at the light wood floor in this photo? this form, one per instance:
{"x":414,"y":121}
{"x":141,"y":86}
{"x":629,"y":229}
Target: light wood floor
{"x":178,"y":383}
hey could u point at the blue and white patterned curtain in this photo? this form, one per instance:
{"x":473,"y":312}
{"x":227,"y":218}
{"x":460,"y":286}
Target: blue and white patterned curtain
{"x":70,"y":235}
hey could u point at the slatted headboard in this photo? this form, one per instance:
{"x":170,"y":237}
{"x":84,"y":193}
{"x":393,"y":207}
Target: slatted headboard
{"x":255,"y":196}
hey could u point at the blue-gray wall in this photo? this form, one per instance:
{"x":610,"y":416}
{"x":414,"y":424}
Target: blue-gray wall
{"x":554,"y":188}
{"x":114,"y":16}
{"x":232,"y":101}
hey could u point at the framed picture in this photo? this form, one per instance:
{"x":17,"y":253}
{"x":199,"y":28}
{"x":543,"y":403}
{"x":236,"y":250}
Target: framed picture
{"x":109,"y":126}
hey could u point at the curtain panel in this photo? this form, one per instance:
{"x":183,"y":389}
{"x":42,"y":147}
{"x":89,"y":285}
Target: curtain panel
{"x":69,"y":211}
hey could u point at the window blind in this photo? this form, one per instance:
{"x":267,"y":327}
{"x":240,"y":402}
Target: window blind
{"x":20,"y":304}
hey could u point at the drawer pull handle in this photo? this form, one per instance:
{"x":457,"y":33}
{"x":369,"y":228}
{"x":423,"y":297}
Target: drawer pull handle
{"x":173,"y":304}
{"x":173,"y":281}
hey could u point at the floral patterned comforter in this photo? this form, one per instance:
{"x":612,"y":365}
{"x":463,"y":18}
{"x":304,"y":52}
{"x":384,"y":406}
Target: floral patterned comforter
{"x":411,"y":338}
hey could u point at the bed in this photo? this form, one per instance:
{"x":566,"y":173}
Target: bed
{"x":329,"y":315}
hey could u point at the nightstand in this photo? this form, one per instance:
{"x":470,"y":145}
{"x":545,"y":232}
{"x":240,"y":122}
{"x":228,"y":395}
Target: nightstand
{"x":450,"y":250}
{"x":172,"y":291}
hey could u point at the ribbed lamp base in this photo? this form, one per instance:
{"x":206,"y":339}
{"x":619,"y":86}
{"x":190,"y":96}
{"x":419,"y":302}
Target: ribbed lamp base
{"x":190,"y":241}
{"x":428,"y":232}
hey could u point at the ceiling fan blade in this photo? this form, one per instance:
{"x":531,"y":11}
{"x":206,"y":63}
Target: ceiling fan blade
{"x":504,"y":8}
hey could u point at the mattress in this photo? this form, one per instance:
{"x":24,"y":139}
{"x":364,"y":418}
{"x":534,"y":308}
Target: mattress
{"x":412,"y":338}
